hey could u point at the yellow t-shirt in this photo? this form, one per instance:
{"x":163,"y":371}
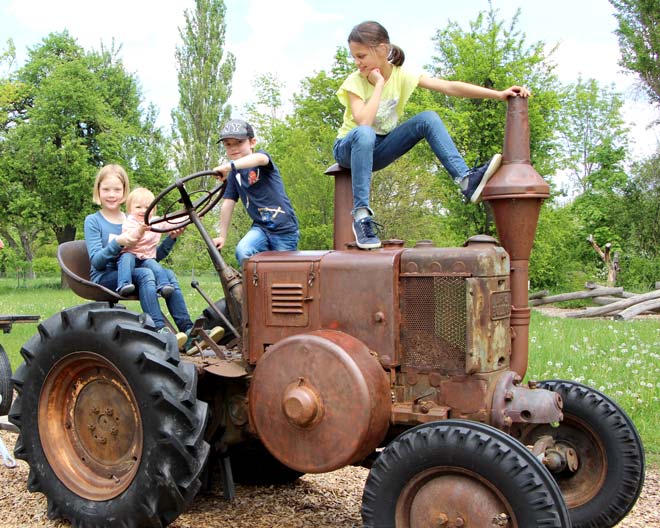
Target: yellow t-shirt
{"x":395,"y":95}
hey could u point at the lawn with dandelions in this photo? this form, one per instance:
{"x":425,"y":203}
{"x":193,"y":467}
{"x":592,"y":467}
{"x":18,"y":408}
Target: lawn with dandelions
{"x":619,"y":358}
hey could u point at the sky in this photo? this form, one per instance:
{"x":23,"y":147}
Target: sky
{"x":295,"y":38}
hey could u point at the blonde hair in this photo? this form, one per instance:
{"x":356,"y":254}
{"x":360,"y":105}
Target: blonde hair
{"x":110,"y":170}
{"x":139,"y":193}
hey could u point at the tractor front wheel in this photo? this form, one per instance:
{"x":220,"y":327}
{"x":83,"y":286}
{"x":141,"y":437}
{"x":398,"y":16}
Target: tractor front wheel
{"x":460,"y":473}
{"x":609,"y":474}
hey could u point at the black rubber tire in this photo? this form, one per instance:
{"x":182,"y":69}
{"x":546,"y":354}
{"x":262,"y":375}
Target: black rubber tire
{"x":459,"y":446}
{"x":253,"y":465}
{"x":6,"y":385}
{"x":598,"y":420}
{"x":173,"y":450}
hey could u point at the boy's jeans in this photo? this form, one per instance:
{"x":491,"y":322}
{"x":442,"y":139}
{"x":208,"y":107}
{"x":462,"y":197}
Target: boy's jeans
{"x":363,"y":151}
{"x":257,"y":240}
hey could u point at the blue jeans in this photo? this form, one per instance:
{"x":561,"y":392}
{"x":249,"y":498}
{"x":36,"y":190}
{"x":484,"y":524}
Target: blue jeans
{"x":363,"y":151}
{"x":145,"y":281}
{"x":129,"y":262}
{"x":257,"y":240}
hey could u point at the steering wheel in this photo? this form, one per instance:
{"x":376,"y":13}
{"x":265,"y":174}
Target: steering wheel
{"x":177,"y":212}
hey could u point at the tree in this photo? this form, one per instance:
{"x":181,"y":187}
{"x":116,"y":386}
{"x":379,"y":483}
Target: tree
{"x":593,"y":136}
{"x":491,"y":54}
{"x":205,"y":76}
{"x":65,"y":113}
{"x":639,"y":41}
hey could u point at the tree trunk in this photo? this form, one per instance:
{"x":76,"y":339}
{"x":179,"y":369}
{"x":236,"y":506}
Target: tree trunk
{"x":576,"y":295}
{"x":617,"y":306}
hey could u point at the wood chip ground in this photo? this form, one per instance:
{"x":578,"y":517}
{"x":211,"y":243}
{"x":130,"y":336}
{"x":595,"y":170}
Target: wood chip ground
{"x":330,"y":500}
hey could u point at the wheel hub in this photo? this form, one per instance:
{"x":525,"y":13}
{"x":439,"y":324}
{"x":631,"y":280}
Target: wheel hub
{"x":90,"y":426}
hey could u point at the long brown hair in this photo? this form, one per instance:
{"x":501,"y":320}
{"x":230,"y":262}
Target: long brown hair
{"x":372,"y":34}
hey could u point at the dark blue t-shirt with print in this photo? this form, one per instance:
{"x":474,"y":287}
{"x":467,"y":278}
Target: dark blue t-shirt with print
{"x":262,"y":192}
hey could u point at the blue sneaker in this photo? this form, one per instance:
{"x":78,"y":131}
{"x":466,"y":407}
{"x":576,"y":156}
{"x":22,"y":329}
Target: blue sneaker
{"x":472,"y":185}
{"x":365,"y":230}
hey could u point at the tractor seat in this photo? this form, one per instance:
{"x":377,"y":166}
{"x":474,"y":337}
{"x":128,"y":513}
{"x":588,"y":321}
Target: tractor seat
{"x":74,"y":261}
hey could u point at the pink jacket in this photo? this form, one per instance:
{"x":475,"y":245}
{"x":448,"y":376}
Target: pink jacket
{"x":146,"y":246}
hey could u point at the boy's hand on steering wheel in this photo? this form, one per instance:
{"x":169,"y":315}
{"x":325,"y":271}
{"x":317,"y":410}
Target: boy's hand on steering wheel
{"x":222,"y":171}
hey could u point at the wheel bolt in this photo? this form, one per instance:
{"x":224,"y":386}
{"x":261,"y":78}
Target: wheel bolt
{"x":459,"y":521}
{"x":442,"y":520}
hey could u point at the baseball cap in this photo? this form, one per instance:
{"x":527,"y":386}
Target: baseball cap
{"x":236,"y":129}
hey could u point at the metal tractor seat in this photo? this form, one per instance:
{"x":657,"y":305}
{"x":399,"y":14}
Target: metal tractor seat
{"x":74,"y":261}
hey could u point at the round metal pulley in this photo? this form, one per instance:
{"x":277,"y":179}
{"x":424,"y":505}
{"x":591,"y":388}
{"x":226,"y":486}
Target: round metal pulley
{"x":319,"y":401}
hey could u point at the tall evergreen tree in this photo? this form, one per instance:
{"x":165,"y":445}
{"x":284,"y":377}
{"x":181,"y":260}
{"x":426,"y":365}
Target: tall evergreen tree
{"x":205,"y":75}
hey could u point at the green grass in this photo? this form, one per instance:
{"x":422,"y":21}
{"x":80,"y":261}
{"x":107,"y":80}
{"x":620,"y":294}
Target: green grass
{"x":621,"y":359}
{"x":44,"y":297}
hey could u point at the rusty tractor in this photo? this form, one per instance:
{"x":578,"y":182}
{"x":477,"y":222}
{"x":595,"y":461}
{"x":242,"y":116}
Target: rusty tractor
{"x":405,"y":360}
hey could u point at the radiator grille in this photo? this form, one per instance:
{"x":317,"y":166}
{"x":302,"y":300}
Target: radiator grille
{"x":434,"y":322}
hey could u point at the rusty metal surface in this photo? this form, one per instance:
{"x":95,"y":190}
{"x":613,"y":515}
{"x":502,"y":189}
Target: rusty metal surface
{"x":283,"y":298}
{"x":90,"y":426}
{"x":343,"y":232}
{"x":516,"y":192}
{"x":514,"y":403}
{"x":584,"y":451}
{"x":455,"y":308}
{"x":360,"y":296}
{"x":319,"y":401}
{"x":451,"y":497}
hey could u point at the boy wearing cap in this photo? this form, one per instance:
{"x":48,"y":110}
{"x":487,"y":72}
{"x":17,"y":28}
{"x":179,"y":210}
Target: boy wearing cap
{"x":255,"y":179}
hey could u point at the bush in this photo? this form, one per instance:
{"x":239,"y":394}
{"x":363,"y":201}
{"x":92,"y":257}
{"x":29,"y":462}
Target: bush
{"x":45,"y":266}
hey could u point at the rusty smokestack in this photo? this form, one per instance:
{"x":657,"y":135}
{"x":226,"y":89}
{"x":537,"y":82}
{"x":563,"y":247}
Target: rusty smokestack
{"x":516,"y":192}
{"x":343,"y":230}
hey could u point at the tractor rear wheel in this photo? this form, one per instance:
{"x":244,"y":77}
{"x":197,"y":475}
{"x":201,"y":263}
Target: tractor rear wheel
{"x":610,"y":471}
{"x":460,"y":473}
{"x":6,"y":386}
{"x":109,"y":420}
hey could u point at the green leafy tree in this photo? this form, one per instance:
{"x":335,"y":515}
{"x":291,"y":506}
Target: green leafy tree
{"x":65,"y":113}
{"x":205,"y":75}
{"x":639,"y":41}
{"x":593,"y":135}
{"x":493,"y":54}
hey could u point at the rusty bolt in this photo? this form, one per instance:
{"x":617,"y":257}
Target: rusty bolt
{"x":91,"y":427}
{"x":425,"y":407}
{"x":508,"y":395}
{"x":442,"y":519}
{"x":517,"y":379}
{"x":532,"y":384}
{"x":95,"y":410}
{"x":109,"y":411}
{"x":508,"y":421}
{"x":459,"y":522}
{"x":114,"y":431}
{"x":102,"y":440}
{"x":379,"y":317}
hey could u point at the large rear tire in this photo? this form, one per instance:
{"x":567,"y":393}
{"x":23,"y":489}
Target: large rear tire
{"x":460,"y":473}
{"x":610,"y":455}
{"x":109,"y":420}
{"x":6,"y":386}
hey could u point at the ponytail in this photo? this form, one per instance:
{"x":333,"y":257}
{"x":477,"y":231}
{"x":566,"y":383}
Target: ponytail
{"x":396,"y":56}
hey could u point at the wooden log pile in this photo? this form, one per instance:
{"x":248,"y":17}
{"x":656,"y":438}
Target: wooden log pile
{"x":613,"y":301}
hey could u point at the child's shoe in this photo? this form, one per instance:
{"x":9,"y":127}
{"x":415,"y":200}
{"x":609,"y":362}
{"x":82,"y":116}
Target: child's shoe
{"x":126,"y":290}
{"x":472,"y":185}
{"x":364,"y":230}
